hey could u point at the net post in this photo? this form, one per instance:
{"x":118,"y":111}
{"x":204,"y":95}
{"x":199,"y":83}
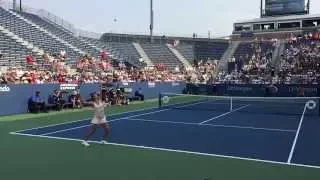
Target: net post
{"x":318,"y":105}
{"x":160,"y":100}
{"x":231,"y":104}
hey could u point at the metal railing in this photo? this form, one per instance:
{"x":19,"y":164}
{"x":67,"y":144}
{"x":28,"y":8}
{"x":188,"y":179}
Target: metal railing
{"x":57,"y":20}
{"x":88,"y":34}
{"x":43,"y":14}
{"x":78,"y":32}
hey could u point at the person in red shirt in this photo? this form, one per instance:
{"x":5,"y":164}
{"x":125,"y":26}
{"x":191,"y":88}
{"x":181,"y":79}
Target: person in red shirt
{"x":32,"y":78}
{"x":103,"y":55}
{"x":61,"y":79}
{"x":29,"y":59}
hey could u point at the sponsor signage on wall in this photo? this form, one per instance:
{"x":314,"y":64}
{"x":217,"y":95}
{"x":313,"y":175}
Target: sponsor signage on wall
{"x":175,"y":84}
{"x":151,"y":84}
{"x":4,"y":88}
{"x":68,"y":87}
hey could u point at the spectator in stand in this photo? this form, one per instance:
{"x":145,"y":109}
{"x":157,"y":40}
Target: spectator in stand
{"x":3,"y":79}
{"x":58,"y":99}
{"x":119,"y":97}
{"x":103,"y":55}
{"x":139,"y":94}
{"x":63,"y":54}
{"x":75,"y":99}
{"x":37,"y":104}
{"x":29,"y":60}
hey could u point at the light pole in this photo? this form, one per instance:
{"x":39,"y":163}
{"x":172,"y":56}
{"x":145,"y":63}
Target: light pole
{"x":20,"y":5}
{"x":151,"y":21}
{"x":14,"y":5}
{"x":261,"y":8}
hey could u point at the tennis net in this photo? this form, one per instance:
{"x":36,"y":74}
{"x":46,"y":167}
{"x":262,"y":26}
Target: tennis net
{"x":264,"y":105}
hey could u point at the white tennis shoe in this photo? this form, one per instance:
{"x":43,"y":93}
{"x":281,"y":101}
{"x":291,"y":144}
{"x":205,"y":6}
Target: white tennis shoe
{"x":104,"y":142}
{"x":85,"y":143}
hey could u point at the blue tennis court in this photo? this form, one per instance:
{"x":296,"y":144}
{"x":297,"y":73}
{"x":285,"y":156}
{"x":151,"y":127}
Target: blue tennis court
{"x":292,"y":139}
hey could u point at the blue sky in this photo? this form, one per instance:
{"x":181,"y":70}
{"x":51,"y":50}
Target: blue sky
{"x":173,"y":17}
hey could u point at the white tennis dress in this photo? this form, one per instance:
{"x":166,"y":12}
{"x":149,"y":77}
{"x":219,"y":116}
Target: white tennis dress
{"x":99,"y":116}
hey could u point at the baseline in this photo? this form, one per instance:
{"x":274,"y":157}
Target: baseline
{"x":173,"y":150}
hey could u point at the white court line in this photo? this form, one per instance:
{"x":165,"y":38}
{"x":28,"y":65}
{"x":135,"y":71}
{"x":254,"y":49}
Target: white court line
{"x":177,"y":151}
{"x":79,"y":127}
{"x":157,"y":121}
{"x":64,"y":130}
{"x":297,"y":136}
{"x":123,"y":113}
{"x":214,"y":118}
{"x":152,"y":112}
{"x":70,"y":122}
{"x":213,"y":125}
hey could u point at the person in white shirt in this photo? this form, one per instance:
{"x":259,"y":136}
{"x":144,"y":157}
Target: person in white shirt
{"x":99,"y":119}
{"x":63,"y":53}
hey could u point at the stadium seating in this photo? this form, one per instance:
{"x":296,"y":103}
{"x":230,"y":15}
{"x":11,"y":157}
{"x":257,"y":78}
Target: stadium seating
{"x":13,"y":53}
{"x":210,"y":50}
{"x":93,"y":41}
{"x":160,"y":54}
{"x":127,"y":50}
{"x":244,"y":49}
{"x":301,"y":60}
{"x":121,"y":51}
{"x":35,"y":35}
{"x":62,"y":33}
{"x":248,"y":48}
{"x":187,"y":51}
{"x":257,"y":56}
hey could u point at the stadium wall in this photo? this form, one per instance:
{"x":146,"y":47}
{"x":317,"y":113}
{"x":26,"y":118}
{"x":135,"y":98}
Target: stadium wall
{"x":252,"y":90}
{"x":14,"y":98}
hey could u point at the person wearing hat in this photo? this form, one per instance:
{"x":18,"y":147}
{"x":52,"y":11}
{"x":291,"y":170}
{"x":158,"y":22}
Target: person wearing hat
{"x":139,"y":94}
{"x":75,"y":99}
{"x":37,"y":103}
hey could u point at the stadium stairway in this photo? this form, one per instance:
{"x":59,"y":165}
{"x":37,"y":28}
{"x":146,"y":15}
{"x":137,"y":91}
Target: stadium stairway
{"x":14,"y":49}
{"x":19,"y":40}
{"x":180,"y":57}
{"x":187,"y":51}
{"x":143,"y":54}
{"x":223,"y":65}
{"x":160,"y":54}
{"x":276,"y":54}
{"x":276,"y":60}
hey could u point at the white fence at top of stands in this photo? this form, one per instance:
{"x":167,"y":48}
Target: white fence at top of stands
{"x":78,"y":32}
{"x":53,"y":18}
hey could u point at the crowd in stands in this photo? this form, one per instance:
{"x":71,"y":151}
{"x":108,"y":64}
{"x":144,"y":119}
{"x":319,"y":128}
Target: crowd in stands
{"x":258,"y":59}
{"x":54,"y":69}
{"x":301,"y":59}
{"x":48,"y":69}
{"x":254,"y":67}
{"x":202,"y":71}
{"x":300,"y":63}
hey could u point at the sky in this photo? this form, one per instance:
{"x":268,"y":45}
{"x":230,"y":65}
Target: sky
{"x":171,"y":17}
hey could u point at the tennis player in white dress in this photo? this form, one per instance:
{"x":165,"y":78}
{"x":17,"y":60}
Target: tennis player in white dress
{"x":99,"y":119}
